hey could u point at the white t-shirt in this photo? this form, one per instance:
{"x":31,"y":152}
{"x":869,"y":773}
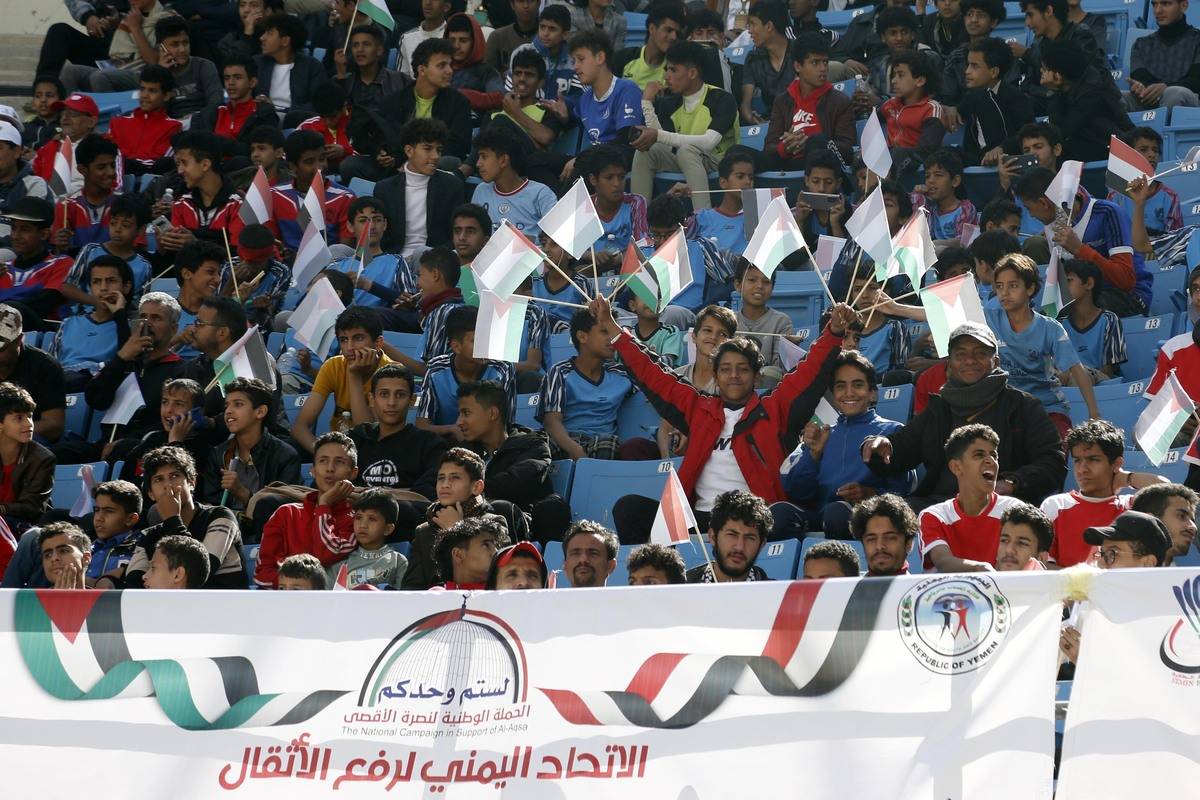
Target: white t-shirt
{"x":409,"y":42}
{"x":281,"y":86}
{"x":416,"y":190}
{"x":721,"y":474}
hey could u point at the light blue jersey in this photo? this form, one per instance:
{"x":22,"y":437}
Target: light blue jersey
{"x":1034,"y":357}
{"x":586,"y":407}
{"x":523,"y":208}
{"x":385,"y":269}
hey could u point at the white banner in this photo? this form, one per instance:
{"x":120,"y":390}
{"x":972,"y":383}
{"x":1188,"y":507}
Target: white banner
{"x":1133,"y":724}
{"x":920,"y":687}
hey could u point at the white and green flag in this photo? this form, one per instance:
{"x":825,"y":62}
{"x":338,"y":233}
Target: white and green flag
{"x":245,"y":358}
{"x":505,"y":261}
{"x":665,"y":275}
{"x":1161,"y":420}
{"x":949,"y":304}
{"x":913,"y":252}
{"x":775,"y":238}
{"x":868,"y":226}
{"x":378,"y":11}
{"x":573,"y":222}
{"x":499,"y":326}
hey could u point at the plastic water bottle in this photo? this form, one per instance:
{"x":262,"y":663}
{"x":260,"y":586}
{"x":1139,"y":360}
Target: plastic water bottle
{"x":169,"y":196}
{"x":151,"y":240}
{"x":346,"y":423}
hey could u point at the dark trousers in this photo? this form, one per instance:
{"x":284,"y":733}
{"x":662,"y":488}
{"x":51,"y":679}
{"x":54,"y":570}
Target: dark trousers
{"x":551,"y":516}
{"x":64,"y":41}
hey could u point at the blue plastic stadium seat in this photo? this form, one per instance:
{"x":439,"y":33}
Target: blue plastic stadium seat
{"x":306,"y":473}
{"x":1093,"y":178}
{"x":559,"y":348}
{"x":1155,"y":118}
{"x":1013,"y":29}
{"x":1118,"y":17}
{"x":68,"y":485}
{"x":597,"y":485}
{"x":168,"y":285}
{"x":361,"y":187}
{"x":250,"y":560}
{"x":753,"y":136}
{"x":1182,"y":133}
{"x":292,"y":403}
{"x":981,"y":184}
{"x":635,"y":31}
{"x":737,"y":55}
{"x":637,"y":418}
{"x":411,"y":344}
{"x":568,"y":142}
{"x":527,"y":405}
{"x":1168,"y":295}
{"x":1120,"y":402}
{"x":813,"y":540}
{"x":895,"y":402}
{"x":779,"y":559}
{"x":78,"y":414}
{"x":838,"y":21}
{"x":561,"y":473}
{"x":847,"y":87}
{"x":916,"y":564}
{"x":275,"y":343}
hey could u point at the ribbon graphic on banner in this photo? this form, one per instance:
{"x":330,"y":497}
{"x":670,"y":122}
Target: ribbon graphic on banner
{"x":73,"y":644}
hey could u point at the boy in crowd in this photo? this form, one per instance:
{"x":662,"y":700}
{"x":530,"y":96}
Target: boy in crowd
{"x":198,"y":273}
{"x":768,"y":70}
{"x":210,"y":203}
{"x":126,"y":218}
{"x":962,"y":534}
{"x":78,"y":115}
{"x":35,"y":276}
{"x":610,"y":108}
{"x":665,"y":24}
{"x":944,"y":31}
{"x":821,"y":476}
{"x":665,"y":217}
{"x":822,"y":175}
{"x":332,"y":119}
{"x":180,"y":414}
{"x":432,"y":27}
{"x":323,"y":525}
{"x":980,"y":18}
{"x":437,"y":411}
{"x":992,"y":110}
{"x":897,"y":27}
{"x":16,"y":175}
{"x":438,"y":275}
{"x":84,"y":216}
{"x":366,"y":79}
{"x":347,"y":376}
{"x":475,"y":80}
{"x":518,"y":566}
{"x":882,"y":340}
{"x":144,"y":135}
{"x":550,"y":44}
{"x":470,"y":229}
{"x":460,"y":496}
{"x":299,"y":369}
{"x":170,"y":480}
{"x":689,"y":135}
{"x":379,"y":278}
{"x":939,"y":196}
{"x":1175,"y":507}
{"x":463,"y":553}
{"x":1000,"y":214}
{"x":259,"y":279}
{"x":1084,"y":103}
{"x":622,"y":215}
{"x":28,"y":468}
{"x":1097,"y":448}
{"x":724,"y":224}
{"x":987,"y":251}
{"x":1048,"y":21}
{"x":85,"y":341}
{"x":283,"y":37}
{"x":252,"y":458}
{"x":266,"y":151}
{"x":197,"y":83}
{"x":47,"y":90}
{"x":655,"y":565}
{"x":1095,"y":334}
{"x":737,"y":530}
{"x":302,"y":573}
{"x":65,"y":554}
{"x":179,"y":562}
{"x":887,"y":528}
{"x":1035,"y":349}
{"x":589,"y":554}
{"x":1026,"y":537}
{"x":236,"y":120}
{"x":666,"y":341}
{"x":432,"y":97}
{"x":582,"y":396}
{"x":811,"y":114}
{"x":552,"y":285}
{"x":755,"y":316}
{"x":523,"y":115}
{"x":305,"y":151}
{"x":409,"y":233}
{"x":830,"y":559}
{"x":1160,"y":210}
{"x":117,"y":508}
{"x":506,"y":194}
{"x":394,"y":454}
{"x":372,"y":562}
{"x":912,"y":118}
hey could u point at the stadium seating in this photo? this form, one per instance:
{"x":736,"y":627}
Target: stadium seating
{"x":250,"y":561}
{"x":895,"y":402}
{"x":361,"y":187}
{"x":635,"y":31}
{"x":753,"y":136}
{"x":68,"y":484}
{"x":527,"y":405}
{"x":561,"y":473}
{"x":597,"y":485}
{"x":78,"y":415}
{"x":637,"y":418}
{"x":1143,"y":337}
{"x":411,"y":344}
{"x":1182,"y":133}
{"x":292,"y":403}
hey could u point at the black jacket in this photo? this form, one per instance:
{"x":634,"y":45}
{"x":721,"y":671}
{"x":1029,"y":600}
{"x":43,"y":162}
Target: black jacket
{"x":449,"y":106}
{"x":264,"y":116}
{"x":408,"y":459}
{"x":274,"y":460}
{"x":307,"y":74}
{"x":200,"y":369}
{"x":1000,"y":115}
{"x":423,"y":572}
{"x":519,"y":471}
{"x":102,"y":389}
{"x":1087,"y":115}
{"x":444,"y":194}
{"x":1031,"y":450}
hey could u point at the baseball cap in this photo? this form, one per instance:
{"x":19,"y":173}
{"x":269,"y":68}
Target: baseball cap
{"x":980,"y":333}
{"x":31,"y":209}
{"x":10,"y":325}
{"x":1133,"y":526}
{"x":9,"y":133}
{"x":9,"y":114}
{"x":78,"y":102}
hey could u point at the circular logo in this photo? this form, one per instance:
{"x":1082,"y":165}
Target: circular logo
{"x":953,"y":624}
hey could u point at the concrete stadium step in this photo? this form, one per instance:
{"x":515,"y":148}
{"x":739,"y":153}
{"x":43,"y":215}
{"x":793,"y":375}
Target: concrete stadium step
{"x":19,"y":64}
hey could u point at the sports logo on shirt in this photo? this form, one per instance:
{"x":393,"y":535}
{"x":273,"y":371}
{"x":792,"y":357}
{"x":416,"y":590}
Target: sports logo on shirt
{"x":954,"y":624}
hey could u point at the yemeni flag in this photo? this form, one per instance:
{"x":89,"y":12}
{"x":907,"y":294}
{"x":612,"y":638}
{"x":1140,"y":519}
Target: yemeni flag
{"x":775,"y":238}
{"x":245,"y":358}
{"x":1124,"y":164}
{"x":949,"y":304}
{"x":869,"y":228}
{"x":674,"y":521}
{"x":499,"y":327}
{"x":64,"y":168}
{"x":378,"y":12}
{"x":74,"y":646}
{"x":311,"y":257}
{"x":258,"y":206}
{"x":505,"y":261}
{"x":313,"y":207}
{"x":913,"y":252}
{"x":667,"y":274}
{"x":754,"y":204}
{"x":874,"y":147}
{"x":1161,"y":420}
{"x":573,"y":222}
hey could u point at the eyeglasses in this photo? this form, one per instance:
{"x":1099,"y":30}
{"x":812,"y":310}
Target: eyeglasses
{"x":1110,"y":555}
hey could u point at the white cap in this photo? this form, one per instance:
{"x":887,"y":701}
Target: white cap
{"x":9,"y":113}
{"x":9,"y":133}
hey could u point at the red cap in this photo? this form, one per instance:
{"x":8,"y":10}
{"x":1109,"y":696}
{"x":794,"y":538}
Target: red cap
{"x":520,"y":548}
{"x":78,"y":102}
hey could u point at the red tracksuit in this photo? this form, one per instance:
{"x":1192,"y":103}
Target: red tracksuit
{"x":327,"y":533}
{"x":144,"y":137}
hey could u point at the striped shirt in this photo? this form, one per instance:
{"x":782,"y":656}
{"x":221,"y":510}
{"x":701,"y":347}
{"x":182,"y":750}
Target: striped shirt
{"x":439,"y":389}
{"x":586,"y":406}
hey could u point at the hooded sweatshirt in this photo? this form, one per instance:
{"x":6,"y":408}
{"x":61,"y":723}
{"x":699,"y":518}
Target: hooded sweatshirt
{"x":479,"y":83}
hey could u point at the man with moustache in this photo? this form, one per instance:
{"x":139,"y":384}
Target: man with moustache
{"x":737,"y":529}
{"x":887,"y":527}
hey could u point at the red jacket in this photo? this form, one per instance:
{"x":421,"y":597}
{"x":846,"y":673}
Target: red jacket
{"x":144,"y":137}
{"x":768,"y":429}
{"x":327,"y":533}
{"x":338,"y":135}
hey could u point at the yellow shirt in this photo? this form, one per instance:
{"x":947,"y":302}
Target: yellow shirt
{"x":331,"y":380}
{"x":424,"y":107}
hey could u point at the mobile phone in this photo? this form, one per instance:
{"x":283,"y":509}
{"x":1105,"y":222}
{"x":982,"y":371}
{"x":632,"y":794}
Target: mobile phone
{"x":820,"y":202}
{"x":1022,"y":162}
{"x":161,"y":225}
{"x":199,"y":421}
{"x":143,"y":327}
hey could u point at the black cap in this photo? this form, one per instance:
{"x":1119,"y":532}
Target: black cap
{"x":256,"y":236}
{"x":1134,"y":526}
{"x":31,"y":209}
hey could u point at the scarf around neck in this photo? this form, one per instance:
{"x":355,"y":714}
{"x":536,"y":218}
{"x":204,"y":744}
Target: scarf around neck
{"x":968,"y":400}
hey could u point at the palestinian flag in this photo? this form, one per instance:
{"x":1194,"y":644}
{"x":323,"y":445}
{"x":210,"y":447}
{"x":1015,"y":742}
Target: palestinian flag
{"x":667,"y":273}
{"x":378,"y":12}
{"x":1124,"y":164}
{"x":776,"y":237}
{"x":245,"y":358}
{"x":754,"y":204}
{"x":360,"y":248}
{"x":499,"y":327}
{"x":1161,"y":420}
{"x":1054,"y":292}
{"x":913,"y":252}
{"x":949,"y":304}
{"x":466,"y":285}
{"x":573,"y":222}
{"x":506,"y":261}
{"x":74,"y":646}
{"x":674,"y":521}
